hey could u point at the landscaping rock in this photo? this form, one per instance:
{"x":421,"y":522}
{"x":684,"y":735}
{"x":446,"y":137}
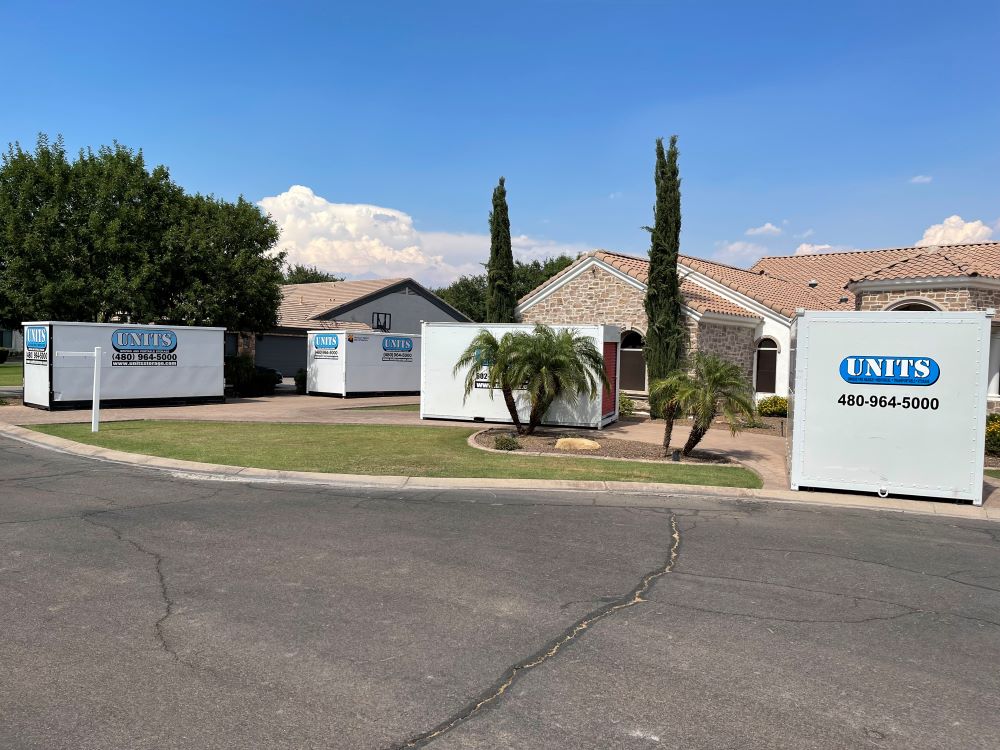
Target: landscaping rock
{"x":577,"y":444}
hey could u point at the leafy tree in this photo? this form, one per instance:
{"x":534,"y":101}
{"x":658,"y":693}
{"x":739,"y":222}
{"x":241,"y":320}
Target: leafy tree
{"x":551,"y":364}
{"x":103,"y":237}
{"x":486,"y":352}
{"x":302,"y":274}
{"x":468,"y":293}
{"x":500,"y":294}
{"x":712,"y":385}
{"x":666,"y":332}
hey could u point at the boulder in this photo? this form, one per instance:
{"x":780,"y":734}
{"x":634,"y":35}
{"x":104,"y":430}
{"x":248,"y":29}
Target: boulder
{"x":577,"y":444}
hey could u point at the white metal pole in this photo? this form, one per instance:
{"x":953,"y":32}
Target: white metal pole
{"x":95,"y":412}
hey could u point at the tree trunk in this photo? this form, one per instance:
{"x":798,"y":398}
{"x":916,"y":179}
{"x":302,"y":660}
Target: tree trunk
{"x":535,"y":418}
{"x":697,"y":433}
{"x":508,"y":398}
{"x":669,"y":413}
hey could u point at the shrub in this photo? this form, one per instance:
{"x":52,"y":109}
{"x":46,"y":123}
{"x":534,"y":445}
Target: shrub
{"x":773,"y":406}
{"x":300,"y":380}
{"x":4,"y":353}
{"x":993,"y":435}
{"x":249,"y":380}
{"x":506,"y":443}
{"x":626,"y":406}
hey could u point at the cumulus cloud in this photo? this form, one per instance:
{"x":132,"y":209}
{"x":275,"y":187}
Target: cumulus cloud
{"x":921,"y":179}
{"x":808,"y":248}
{"x":955,"y":231}
{"x":363,"y":241}
{"x":739,"y":253}
{"x":767,"y":229}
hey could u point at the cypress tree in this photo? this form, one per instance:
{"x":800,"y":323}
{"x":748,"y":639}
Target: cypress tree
{"x":500,"y":294}
{"x":666,"y":333}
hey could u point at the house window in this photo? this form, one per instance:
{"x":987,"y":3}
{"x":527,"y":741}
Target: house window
{"x":381,"y":321}
{"x":767,"y":366}
{"x":913,"y":306}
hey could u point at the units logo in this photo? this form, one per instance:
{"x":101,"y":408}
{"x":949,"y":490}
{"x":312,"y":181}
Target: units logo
{"x":36,"y":337}
{"x":397,"y":344}
{"x":142,"y":347}
{"x":889,"y":370}
{"x":397,"y":349}
{"x":326,"y":346}
{"x":36,"y":345}
{"x":326,"y":341}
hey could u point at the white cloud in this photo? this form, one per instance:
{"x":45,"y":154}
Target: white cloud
{"x":739,"y":252}
{"x":921,"y":179}
{"x":808,"y":248}
{"x":615,"y":195}
{"x":805,"y":235}
{"x":364,"y":241}
{"x":767,"y":229}
{"x":955,"y":231}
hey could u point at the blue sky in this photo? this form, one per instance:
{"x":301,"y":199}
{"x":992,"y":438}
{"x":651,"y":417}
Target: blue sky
{"x":395,"y":119}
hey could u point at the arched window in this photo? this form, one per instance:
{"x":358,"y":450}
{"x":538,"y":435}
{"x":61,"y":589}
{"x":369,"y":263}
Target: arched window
{"x":913,"y":305}
{"x":632,"y":367}
{"x":767,"y":366}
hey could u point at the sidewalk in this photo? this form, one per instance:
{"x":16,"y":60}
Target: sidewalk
{"x":763,"y":454}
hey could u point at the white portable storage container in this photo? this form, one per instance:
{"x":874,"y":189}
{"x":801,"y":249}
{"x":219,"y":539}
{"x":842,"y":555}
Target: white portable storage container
{"x":890,"y":402}
{"x":138,"y":363}
{"x":351,"y":363}
{"x":442,"y":393}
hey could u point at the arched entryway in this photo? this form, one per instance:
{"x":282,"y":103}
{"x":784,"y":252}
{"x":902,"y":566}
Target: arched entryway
{"x":632,"y":373}
{"x":914,"y":305}
{"x":766,"y":372}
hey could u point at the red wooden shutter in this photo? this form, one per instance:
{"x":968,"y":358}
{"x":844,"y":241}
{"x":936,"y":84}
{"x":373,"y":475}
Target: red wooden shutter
{"x":608,"y":404}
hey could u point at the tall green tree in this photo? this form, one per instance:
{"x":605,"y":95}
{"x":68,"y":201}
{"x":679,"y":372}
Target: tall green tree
{"x":500,"y":294}
{"x":297,"y":273}
{"x":666,"y":332}
{"x":103,"y":237}
{"x":468,"y":293}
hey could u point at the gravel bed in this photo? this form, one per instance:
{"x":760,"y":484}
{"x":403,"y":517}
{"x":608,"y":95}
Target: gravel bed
{"x":544,"y":441}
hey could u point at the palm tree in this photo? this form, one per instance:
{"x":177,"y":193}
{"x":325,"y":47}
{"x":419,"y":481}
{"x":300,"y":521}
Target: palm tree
{"x":551,"y":364}
{"x":663,"y":399}
{"x":712,"y":385}
{"x":486,"y":351}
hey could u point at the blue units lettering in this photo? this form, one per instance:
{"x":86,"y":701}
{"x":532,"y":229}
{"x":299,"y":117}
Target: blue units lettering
{"x":397,"y":344}
{"x":143,"y":340}
{"x":889,"y":370}
{"x":36,"y":337}
{"x":326,"y":341}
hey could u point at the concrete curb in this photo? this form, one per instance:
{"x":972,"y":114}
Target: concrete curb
{"x":198,"y":470}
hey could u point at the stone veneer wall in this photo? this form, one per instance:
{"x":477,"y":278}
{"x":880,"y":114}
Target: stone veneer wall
{"x":957,"y":299}
{"x":734,"y":343}
{"x":592,"y":297}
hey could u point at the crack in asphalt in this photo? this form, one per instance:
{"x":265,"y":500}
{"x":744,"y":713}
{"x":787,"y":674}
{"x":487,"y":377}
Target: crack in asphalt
{"x":158,"y":626}
{"x":552,"y":648}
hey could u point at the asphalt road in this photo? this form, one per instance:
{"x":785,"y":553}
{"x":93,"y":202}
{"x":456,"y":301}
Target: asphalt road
{"x":146,"y":610}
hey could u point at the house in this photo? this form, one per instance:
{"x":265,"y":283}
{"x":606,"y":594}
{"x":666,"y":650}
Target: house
{"x":745,"y":315}
{"x":11,"y":340}
{"x":397,"y":305}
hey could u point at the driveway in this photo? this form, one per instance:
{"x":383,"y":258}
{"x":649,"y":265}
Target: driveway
{"x":149,"y":610}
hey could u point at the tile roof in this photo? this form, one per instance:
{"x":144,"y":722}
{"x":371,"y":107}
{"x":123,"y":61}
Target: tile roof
{"x":696,"y":296}
{"x":949,"y":261}
{"x":301,"y":304}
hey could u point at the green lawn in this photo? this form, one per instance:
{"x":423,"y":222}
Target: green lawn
{"x":992,"y":473}
{"x":372,"y":449}
{"x":389,"y":407}
{"x":11,"y":373}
